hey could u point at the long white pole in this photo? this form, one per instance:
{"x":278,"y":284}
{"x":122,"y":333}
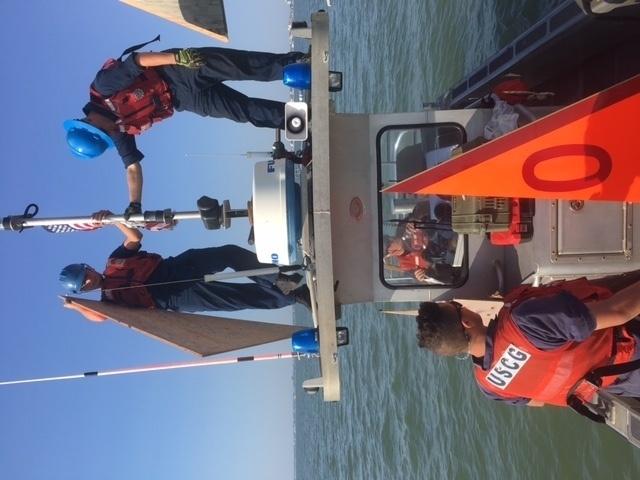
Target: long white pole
{"x":156,"y":368}
{"x":248,"y":155}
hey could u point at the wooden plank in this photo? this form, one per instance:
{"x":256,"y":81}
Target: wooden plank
{"x":203,"y":16}
{"x":201,"y":335}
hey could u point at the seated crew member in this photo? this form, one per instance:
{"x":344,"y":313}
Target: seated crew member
{"x":545,"y":340}
{"x":129,"y":96}
{"x":176,"y":283}
{"x":424,"y":252}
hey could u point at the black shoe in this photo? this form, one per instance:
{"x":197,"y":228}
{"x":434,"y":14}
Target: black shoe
{"x":287,"y":283}
{"x":306,"y":58}
{"x":303,"y":297}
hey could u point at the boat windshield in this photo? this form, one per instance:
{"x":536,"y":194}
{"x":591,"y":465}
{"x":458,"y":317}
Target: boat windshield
{"x":417,"y":244}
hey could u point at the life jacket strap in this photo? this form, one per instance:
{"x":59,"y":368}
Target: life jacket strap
{"x":585,"y":409}
{"x":137,"y":47}
{"x":615,"y":369}
{"x":580,"y":395}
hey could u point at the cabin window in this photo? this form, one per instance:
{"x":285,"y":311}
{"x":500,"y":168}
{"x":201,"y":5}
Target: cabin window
{"x":418,"y":247}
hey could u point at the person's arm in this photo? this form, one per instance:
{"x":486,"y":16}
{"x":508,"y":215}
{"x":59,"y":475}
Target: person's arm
{"x":617,"y":310}
{"x":133,"y":236}
{"x":131,"y":157}
{"x":123,"y":73}
{"x":421,"y":212}
{"x":154,"y":59}
{"x":87,"y":313}
{"x":421,"y":275}
{"x":134,"y":182}
{"x":551,"y":321}
{"x":118,"y":76}
{"x":187,"y":57}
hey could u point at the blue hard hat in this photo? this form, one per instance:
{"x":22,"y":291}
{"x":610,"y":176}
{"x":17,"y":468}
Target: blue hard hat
{"x":72,"y":277}
{"x":86,"y":141}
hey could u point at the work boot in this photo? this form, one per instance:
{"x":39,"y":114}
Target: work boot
{"x":303,"y":296}
{"x":287,"y":283}
{"x":307,"y":56}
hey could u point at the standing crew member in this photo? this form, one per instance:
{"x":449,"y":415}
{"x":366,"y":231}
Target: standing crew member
{"x":176,"y":283}
{"x":547,"y":344}
{"x":129,"y":96}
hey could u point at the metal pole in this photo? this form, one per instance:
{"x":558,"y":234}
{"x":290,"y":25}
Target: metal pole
{"x":248,"y":154}
{"x":241,"y":274}
{"x":155,"y":368}
{"x":140,"y":218}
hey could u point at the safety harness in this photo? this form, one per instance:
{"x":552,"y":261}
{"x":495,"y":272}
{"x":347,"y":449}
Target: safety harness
{"x":580,"y":397}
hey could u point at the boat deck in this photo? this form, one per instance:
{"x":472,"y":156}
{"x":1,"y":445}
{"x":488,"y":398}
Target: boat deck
{"x":566,"y":52}
{"x":317,"y":238}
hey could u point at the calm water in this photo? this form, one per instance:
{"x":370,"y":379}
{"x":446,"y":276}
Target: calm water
{"x":406,"y":414}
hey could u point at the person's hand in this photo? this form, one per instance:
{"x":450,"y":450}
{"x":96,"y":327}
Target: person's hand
{"x":190,"y":58}
{"x":411,"y":227}
{"x":99,"y":216}
{"x":88,"y":313}
{"x":421,"y":275}
{"x":134,"y":208}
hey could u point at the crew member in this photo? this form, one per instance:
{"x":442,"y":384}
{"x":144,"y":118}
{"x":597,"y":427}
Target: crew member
{"x":546,"y":341}
{"x":129,"y":96}
{"x":423,"y":251}
{"x":139,"y":279}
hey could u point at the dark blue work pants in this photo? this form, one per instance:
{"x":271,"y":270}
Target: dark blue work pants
{"x":201,"y":90}
{"x":199,"y":296}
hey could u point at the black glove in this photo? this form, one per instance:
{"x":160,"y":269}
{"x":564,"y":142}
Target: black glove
{"x":190,"y":58}
{"x":134,"y":208}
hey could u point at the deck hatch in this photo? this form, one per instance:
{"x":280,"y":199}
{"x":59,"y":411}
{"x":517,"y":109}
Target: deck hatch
{"x":605,"y":236}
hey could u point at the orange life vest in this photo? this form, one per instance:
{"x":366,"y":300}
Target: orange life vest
{"x":123,"y":273}
{"x":412,"y":262}
{"x":145,"y":102}
{"x":520,"y":370}
{"x":417,"y":243}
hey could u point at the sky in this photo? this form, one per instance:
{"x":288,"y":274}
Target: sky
{"x":223,"y":422}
